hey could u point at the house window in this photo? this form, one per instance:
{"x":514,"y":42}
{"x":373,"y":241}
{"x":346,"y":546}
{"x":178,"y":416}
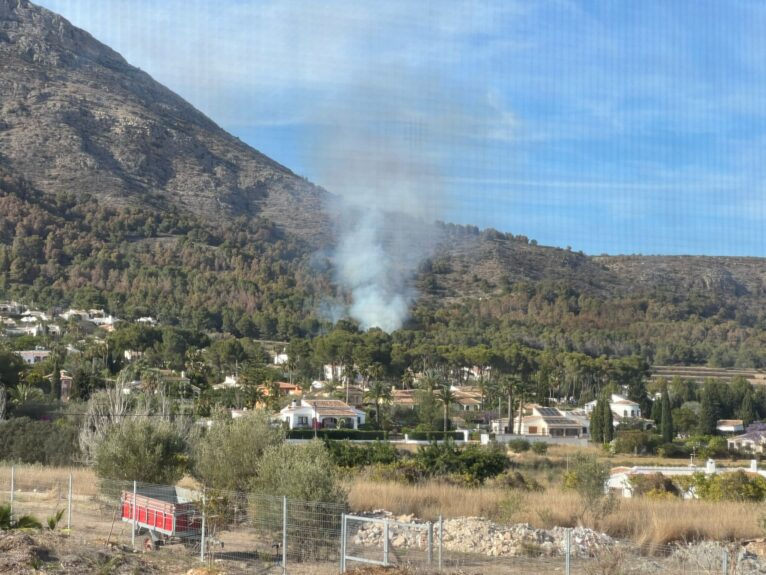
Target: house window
{"x":632,"y":413}
{"x":532,"y":430}
{"x":303,"y":420}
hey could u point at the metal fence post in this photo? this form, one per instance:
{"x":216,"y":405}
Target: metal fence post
{"x":343,"y":543}
{"x":202,"y":534}
{"x":13,"y":487}
{"x":441,"y":540}
{"x":725,"y":562}
{"x":567,"y":551}
{"x":69,"y":505}
{"x":430,"y":543}
{"x":284,"y":534}
{"x":385,"y":542}
{"x":134,"y":513}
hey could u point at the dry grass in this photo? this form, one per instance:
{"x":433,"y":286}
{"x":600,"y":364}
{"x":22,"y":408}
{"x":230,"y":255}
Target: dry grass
{"x":644,"y":521}
{"x":426,"y":500}
{"x":41,"y":478}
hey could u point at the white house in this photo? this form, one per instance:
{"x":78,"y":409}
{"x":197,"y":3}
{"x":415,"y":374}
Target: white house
{"x":105,"y":322}
{"x":147,"y":320}
{"x":75,"y":313}
{"x":547,"y":421}
{"x":321,"y":413}
{"x":281,"y":358}
{"x":619,"y":479}
{"x":333,"y":372}
{"x":32,"y":357}
{"x":10,"y":308}
{"x":29,"y":329}
{"x":132,"y":354}
{"x":730,"y":426}
{"x":753,"y":440}
{"x":229,"y":382}
{"x":38,"y":315}
{"x":621,"y":407}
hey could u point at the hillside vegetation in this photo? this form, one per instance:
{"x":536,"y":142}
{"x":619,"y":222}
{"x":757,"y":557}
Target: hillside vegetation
{"x":143,"y":205}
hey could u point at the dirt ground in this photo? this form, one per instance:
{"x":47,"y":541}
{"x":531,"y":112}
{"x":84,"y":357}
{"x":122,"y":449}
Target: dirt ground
{"x":23,"y":553}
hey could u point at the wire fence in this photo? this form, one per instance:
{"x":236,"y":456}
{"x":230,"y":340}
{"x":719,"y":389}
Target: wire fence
{"x":256,"y":533}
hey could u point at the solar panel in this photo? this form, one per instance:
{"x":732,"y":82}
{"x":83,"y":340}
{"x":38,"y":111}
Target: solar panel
{"x":548,"y":411}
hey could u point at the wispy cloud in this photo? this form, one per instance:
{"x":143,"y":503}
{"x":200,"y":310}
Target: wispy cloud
{"x":650,"y":111}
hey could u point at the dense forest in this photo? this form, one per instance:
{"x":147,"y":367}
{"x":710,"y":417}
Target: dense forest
{"x":245,"y":278}
{"x":249,"y":278}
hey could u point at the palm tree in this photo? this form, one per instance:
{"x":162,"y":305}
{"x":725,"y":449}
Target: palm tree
{"x":445,"y":396}
{"x":379,"y":391}
{"x":24,"y":393}
{"x":8,"y":522}
{"x":254,"y":394}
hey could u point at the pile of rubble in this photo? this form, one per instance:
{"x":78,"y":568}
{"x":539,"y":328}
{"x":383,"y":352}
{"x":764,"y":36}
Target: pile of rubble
{"x":479,"y":535}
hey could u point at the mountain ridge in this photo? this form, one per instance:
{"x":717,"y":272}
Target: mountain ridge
{"x":76,"y":120}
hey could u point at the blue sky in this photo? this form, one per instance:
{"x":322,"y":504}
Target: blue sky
{"x":611,"y":127}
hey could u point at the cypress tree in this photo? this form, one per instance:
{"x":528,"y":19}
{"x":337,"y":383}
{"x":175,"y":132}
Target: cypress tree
{"x":608,"y":421}
{"x":56,"y":382}
{"x":708,"y":412}
{"x":666,"y":425}
{"x":657,"y":412}
{"x":747,"y":409}
{"x":597,"y":424}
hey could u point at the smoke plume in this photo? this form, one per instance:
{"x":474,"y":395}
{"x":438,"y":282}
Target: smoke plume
{"x":378,"y":157}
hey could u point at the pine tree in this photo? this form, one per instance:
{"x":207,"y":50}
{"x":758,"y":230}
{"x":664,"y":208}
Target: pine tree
{"x":666,"y":425}
{"x":747,"y":409}
{"x":608,"y":422}
{"x":597,"y":423}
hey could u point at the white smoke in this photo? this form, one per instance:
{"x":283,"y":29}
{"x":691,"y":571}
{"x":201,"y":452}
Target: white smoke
{"x":384,"y":148}
{"x":381,"y":297}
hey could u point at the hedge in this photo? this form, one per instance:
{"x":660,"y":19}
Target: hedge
{"x":435,"y":435}
{"x":336,"y":434}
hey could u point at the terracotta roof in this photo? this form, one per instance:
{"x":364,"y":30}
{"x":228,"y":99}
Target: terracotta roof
{"x":333,"y":412}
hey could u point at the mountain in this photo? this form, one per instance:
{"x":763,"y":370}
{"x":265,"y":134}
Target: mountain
{"x":76,"y":117}
{"x":115,"y":191}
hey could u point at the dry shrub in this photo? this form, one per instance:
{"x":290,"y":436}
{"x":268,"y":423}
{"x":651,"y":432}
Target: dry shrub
{"x":645,"y":521}
{"x":426,"y":500}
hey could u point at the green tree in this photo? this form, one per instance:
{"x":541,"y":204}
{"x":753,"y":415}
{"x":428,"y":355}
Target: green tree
{"x":588,"y":476}
{"x":597,"y":422}
{"x":666,"y":424}
{"x":709,"y":410}
{"x":303,"y":472}
{"x":747,"y":409}
{"x":380,"y":393}
{"x":11,"y":368}
{"x":139,"y":449}
{"x":446,"y":398}
{"x":608,"y":421}
{"x":227,"y":456}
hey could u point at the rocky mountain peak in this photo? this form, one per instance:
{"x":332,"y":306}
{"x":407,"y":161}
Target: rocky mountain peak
{"x":76,"y":117}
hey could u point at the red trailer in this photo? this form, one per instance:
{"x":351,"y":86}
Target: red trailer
{"x":165,"y":513}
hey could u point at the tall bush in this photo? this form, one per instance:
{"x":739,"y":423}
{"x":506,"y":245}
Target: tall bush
{"x":140,"y":449}
{"x":24,"y":440}
{"x":228,"y":454}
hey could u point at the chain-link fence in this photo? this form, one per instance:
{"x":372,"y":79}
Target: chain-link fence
{"x":255,"y":533}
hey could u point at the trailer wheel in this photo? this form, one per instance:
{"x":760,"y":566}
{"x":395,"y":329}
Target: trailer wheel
{"x":149,"y":544}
